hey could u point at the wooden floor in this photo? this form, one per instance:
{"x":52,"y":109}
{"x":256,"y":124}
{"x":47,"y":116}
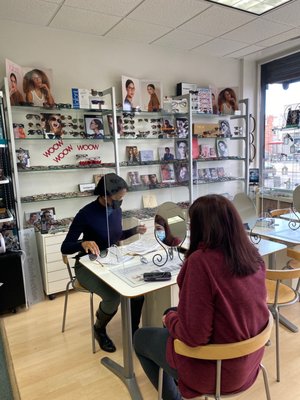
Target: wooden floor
{"x":51,"y":365}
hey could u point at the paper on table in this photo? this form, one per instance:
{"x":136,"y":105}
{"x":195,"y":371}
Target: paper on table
{"x":141,"y":247}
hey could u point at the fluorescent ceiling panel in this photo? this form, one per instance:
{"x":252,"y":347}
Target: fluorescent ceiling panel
{"x":257,"y":7}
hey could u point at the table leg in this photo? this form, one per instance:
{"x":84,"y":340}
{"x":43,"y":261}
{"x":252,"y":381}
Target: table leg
{"x":282,"y":320}
{"x":126,"y":373}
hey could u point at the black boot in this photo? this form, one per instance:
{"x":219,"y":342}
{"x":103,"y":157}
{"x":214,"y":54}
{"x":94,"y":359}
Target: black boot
{"x":136,"y":312}
{"x":104,"y":341}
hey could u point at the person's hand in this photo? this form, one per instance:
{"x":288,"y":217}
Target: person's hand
{"x":90,"y":246}
{"x":12,"y":91}
{"x":45,"y":88}
{"x":141,"y":229}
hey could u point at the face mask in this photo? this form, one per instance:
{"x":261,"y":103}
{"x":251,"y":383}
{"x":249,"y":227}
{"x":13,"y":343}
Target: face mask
{"x":116,"y":204}
{"x":161,"y":235}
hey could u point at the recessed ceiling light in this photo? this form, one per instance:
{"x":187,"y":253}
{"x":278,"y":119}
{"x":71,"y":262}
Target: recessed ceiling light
{"x":257,"y":7}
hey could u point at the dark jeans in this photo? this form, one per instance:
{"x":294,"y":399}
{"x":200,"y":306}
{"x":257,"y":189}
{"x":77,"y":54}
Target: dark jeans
{"x":110,"y":298}
{"x":150,"y":347}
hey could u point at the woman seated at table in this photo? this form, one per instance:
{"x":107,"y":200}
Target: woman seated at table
{"x":222,"y":299}
{"x":100,"y":223}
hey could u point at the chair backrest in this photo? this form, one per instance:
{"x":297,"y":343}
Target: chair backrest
{"x":293,"y":252}
{"x":228,"y":350}
{"x":279,"y":211}
{"x":66,"y":261}
{"x":296,"y":198}
{"x":281,"y":274}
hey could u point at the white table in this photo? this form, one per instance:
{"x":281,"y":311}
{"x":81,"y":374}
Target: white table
{"x":279,"y":231}
{"x":126,"y":372}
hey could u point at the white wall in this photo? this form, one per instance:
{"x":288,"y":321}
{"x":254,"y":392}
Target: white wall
{"x":86,"y":61}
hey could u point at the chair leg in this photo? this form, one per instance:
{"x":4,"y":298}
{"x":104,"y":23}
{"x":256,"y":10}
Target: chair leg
{"x":266,"y":381}
{"x":65,"y":306}
{"x":277,"y":344}
{"x":160,"y":383}
{"x":92,"y":323}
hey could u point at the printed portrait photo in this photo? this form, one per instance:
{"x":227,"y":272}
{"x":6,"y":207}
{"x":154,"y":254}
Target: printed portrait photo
{"x":131,"y":93}
{"x":151,"y":95}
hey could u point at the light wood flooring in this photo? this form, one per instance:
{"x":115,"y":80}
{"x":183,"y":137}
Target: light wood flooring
{"x":51,"y":365}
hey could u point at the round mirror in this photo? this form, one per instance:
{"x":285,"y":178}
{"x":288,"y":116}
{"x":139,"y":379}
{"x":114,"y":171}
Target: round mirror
{"x":246,"y":209}
{"x":170,"y":224}
{"x":296,"y":198}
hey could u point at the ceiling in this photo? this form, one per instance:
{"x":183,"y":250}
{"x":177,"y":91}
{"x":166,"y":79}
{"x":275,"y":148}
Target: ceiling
{"x":197,"y":26}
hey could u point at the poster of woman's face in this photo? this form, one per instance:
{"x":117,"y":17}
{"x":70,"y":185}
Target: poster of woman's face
{"x":130,"y":93}
{"x":151,"y":95}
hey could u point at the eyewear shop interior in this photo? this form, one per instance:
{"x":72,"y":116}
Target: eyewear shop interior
{"x":131,"y":170}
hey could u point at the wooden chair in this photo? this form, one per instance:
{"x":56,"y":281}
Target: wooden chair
{"x":279,"y":211}
{"x":220,"y":352}
{"x":280,"y":295}
{"x":73,"y":282}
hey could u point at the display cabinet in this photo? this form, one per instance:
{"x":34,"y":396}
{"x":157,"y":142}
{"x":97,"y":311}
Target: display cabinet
{"x":60,"y":153}
{"x":12,"y":292}
{"x":280,"y":169}
{"x":220,"y":152}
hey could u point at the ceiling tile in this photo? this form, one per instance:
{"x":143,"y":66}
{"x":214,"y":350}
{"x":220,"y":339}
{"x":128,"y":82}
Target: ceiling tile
{"x":113,"y":7}
{"x":219,"y":47}
{"x":137,"y":31}
{"x":246,"y":51}
{"x":293,"y":33}
{"x":168,"y":12}
{"x":257,"y":30}
{"x":216,"y":20}
{"x":27,"y":11}
{"x":289,"y":14}
{"x":179,"y":39}
{"x":75,"y":19}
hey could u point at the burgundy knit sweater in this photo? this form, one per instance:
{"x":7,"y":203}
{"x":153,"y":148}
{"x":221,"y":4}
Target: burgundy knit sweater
{"x":215,"y":307}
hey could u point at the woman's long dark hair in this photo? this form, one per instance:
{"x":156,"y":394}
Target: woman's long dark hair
{"x":216,"y":224}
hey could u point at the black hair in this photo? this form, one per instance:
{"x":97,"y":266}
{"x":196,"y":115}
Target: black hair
{"x":12,"y":74}
{"x":128,"y":82}
{"x":110,"y":184}
{"x":151,"y":85}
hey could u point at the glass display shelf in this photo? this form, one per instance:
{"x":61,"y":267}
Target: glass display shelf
{"x":47,"y":168}
{"x":55,"y":196}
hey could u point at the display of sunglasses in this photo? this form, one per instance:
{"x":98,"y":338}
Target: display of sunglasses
{"x":58,"y":105}
{"x":155,"y":120}
{"x":55,"y":119}
{"x":18,"y":125}
{"x":95,"y":93}
{"x":63,"y":117}
{"x":126,"y":127}
{"x":30,"y":116}
{"x":64,"y":105}
{"x":128,"y":115}
{"x":129,"y":121}
{"x":34,"y":131}
{"x":101,"y":102}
